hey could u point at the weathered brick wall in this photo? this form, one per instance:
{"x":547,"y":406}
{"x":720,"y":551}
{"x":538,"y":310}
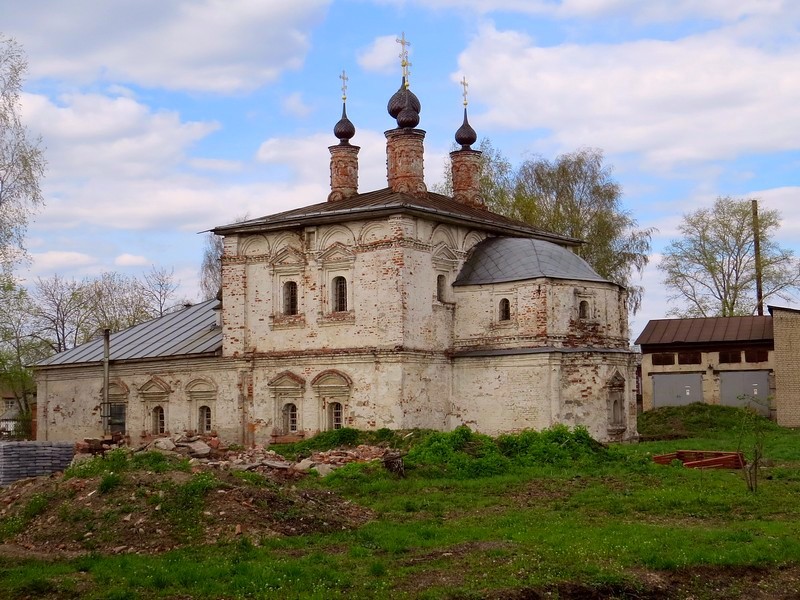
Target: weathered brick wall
{"x":70,"y":400}
{"x":495,"y":394}
{"x":543,"y":313}
{"x":786,"y":328}
{"x":31,"y":459}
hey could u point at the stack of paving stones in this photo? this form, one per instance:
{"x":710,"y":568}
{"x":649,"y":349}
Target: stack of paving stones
{"x":31,"y":459}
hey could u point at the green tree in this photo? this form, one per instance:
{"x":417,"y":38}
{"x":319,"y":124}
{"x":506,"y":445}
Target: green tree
{"x":19,"y":347}
{"x":22,"y":161}
{"x":711,"y":268}
{"x":575,"y":195}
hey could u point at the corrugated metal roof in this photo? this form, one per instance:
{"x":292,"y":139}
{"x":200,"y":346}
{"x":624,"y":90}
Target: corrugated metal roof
{"x":371,"y":204}
{"x":497,"y":260}
{"x":706,"y":330}
{"x":192,"y":330}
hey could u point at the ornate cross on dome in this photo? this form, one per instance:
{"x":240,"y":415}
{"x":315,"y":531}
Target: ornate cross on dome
{"x":464,"y":85}
{"x":404,"y":56}
{"x":344,"y":79}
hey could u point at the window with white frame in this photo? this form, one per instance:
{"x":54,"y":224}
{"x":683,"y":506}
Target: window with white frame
{"x":159,"y":422}
{"x":290,"y":418}
{"x":335,"y":413}
{"x":204,"y":419}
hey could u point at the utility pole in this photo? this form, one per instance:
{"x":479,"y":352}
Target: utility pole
{"x":757,"y":250}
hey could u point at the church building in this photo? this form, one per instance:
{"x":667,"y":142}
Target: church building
{"x":396,"y":308}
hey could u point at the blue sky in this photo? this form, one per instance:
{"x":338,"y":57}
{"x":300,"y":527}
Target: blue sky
{"x":166,"y":118}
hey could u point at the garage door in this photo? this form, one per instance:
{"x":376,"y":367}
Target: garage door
{"x":745,"y":388}
{"x":677,"y":389}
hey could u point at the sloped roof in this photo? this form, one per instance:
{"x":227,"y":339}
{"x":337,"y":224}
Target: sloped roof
{"x":192,"y":330}
{"x":384,"y":202}
{"x":502,"y":259}
{"x":706,"y":330}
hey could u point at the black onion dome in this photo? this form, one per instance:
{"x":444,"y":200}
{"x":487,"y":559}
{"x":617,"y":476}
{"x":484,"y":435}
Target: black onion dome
{"x":398,"y":101}
{"x":408,"y":117}
{"x":344,"y":129}
{"x":465,"y":135}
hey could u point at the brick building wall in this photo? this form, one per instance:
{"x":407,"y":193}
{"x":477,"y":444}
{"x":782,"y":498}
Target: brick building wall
{"x":786,"y":327}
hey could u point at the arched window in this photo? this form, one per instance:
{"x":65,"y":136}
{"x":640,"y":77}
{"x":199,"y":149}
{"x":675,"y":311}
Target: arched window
{"x":505,"y":310}
{"x":289,"y":418}
{"x":440,"y":285}
{"x":583,"y":310}
{"x":204,"y":419}
{"x":339,"y":293}
{"x":159,"y":425}
{"x":335,"y":415}
{"x":290,"y":298}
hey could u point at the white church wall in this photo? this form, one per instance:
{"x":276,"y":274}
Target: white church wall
{"x":70,"y":398}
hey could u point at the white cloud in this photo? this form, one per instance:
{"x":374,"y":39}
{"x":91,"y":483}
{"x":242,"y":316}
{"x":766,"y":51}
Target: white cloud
{"x":294,"y":105}
{"x":215,"y":164}
{"x":699,"y":98}
{"x":382,"y":56}
{"x":131,"y":260}
{"x":636,"y":10}
{"x":184,"y":44}
{"x":308,"y":158}
{"x":93,"y":135}
{"x":59,"y":260}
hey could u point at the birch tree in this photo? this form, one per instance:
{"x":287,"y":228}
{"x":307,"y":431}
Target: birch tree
{"x":710,"y":270}
{"x":22,"y":162}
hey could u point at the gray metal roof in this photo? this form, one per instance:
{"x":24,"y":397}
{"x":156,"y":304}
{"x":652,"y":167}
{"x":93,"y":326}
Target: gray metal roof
{"x":386,"y":202}
{"x":192,"y":330}
{"x":502,"y":259}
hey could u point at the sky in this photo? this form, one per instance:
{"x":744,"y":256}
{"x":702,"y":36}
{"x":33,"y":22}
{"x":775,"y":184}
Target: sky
{"x":165,"y":118}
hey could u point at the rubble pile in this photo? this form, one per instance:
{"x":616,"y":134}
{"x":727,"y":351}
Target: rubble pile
{"x":210,"y":451}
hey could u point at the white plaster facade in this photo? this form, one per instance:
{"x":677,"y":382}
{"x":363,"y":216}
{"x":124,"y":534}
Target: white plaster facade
{"x":352,"y":313}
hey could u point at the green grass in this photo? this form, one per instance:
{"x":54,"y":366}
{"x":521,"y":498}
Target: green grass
{"x":476,"y":515}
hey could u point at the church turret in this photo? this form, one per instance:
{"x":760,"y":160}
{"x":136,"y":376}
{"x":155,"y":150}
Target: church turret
{"x":344,"y":156}
{"x":465,"y":163}
{"x":404,"y":145}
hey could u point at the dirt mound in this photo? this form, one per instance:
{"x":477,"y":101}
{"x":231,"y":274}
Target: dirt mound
{"x":140,"y":511}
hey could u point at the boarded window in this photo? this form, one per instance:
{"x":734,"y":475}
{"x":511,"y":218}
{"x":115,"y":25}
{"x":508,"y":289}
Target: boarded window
{"x":290,"y":298}
{"x":505,"y":310}
{"x":753,"y":355}
{"x":689,"y":358}
{"x":339,"y":299}
{"x":664,"y":358}
{"x":583,"y":310}
{"x":730,"y":356}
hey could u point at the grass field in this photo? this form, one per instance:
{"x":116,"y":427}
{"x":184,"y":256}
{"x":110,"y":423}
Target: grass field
{"x":535,"y":515}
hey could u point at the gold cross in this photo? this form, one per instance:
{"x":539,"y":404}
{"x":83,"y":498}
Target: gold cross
{"x":344,"y":79}
{"x":464,"y":85}
{"x":404,"y":55}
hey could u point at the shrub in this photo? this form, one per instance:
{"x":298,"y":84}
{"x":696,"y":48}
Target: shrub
{"x":460,"y":453}
{"x":109,"y":481}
